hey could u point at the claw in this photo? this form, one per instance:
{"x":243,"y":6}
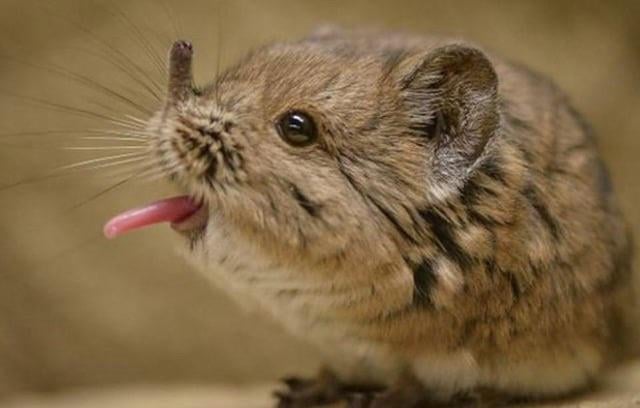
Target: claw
{"x":300,"y":392}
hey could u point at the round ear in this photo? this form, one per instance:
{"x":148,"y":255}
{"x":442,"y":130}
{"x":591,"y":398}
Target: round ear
{"x":452,"y":97}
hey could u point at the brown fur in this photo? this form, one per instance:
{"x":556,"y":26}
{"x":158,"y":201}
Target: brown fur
{"x":454,"y":213}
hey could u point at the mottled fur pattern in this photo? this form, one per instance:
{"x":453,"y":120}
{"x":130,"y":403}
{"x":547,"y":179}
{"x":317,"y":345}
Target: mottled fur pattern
{"x":454,"y":220}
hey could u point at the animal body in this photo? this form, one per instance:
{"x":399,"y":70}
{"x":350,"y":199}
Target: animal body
{"x":435,"y":219}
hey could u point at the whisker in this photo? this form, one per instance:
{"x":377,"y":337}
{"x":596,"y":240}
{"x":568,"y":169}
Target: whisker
{"x":61,"y":107}
{"x":45,"y":133}
{"x":52,"y":148}
{"x":41,"y":133}
{"x":102,"y":192}
{"x":127,"y":168}
{"x":136,"y":120}
{"x":111,"y":108}
{"x":103,"y":148}
{"x":151,"y":85}
{"x":67,"y":171}
{"x":138,"y":35}
{"x":115,"y":52}
{"x":219,"y":50}
{"x":145,"y":170}
{"x":32,"y":180}
{"x":98,"y":160}
{"x":106,"y":134}
{"x":118,"y":175}
{"x":117,"y":163}
{"x":114,"y":138}
{"x":81,"y":79}
{"x":126,"y":132}
{"x":153,"y":177}
{"x":126,"y":124}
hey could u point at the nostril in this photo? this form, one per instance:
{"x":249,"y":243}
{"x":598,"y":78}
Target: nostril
{"x":185,"y":45}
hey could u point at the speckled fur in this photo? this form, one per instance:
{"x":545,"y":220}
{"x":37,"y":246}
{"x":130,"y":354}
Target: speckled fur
{"x":455,"y":220}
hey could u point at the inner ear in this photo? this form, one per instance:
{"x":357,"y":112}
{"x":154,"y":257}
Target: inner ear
{"x":433,"y":128}
{"x":451,"y":95}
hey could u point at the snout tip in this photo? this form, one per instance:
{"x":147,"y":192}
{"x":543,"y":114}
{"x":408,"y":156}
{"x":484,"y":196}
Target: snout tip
{"x":182,"y":48}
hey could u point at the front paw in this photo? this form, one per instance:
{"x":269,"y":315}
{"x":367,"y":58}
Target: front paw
{"x":304,"y":393}
{"x":324,"y":390}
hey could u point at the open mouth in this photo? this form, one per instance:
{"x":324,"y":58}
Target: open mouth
{"x":183,"y":213}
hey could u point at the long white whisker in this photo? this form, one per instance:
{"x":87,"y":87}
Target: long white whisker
{"x":162,"y":172}
{"x":149,"y":84}
{"x":124,"y":123}
{"x":105,"y":148}
{"x":145,"y":166}
{"x":125,"y":132}
{"x":98,"y":160}
{"x":136,"y":130}
{"x":116,"y":163}
{"x":114,"y":138}
{"x":136,"y":120}
{"x":153,"y":176}
{"x":148,"y":172}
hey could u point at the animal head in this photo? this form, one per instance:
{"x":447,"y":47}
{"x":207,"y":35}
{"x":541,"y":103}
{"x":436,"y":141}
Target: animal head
{"x":323,"y":149}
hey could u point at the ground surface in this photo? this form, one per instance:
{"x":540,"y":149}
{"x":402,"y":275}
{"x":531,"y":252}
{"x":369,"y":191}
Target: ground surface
{"x":620,"y":389}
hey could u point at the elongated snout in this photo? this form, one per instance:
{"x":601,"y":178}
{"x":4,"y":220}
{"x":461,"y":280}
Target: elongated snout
{"x":180,"y":71}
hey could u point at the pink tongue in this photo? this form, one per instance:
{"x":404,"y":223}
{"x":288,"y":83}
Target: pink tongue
{"x":172,"y":210}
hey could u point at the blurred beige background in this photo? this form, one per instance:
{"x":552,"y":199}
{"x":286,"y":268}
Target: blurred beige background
{"x":79,"y":311}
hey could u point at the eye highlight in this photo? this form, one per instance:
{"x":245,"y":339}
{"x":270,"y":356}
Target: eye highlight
{"x":297,"y":128}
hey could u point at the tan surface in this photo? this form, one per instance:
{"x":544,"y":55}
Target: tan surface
{"x":76,"y":310}
{"x":621,"y":389}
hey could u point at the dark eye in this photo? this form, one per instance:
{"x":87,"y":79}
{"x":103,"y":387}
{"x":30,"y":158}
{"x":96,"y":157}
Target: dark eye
{"x":297,"y":128}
